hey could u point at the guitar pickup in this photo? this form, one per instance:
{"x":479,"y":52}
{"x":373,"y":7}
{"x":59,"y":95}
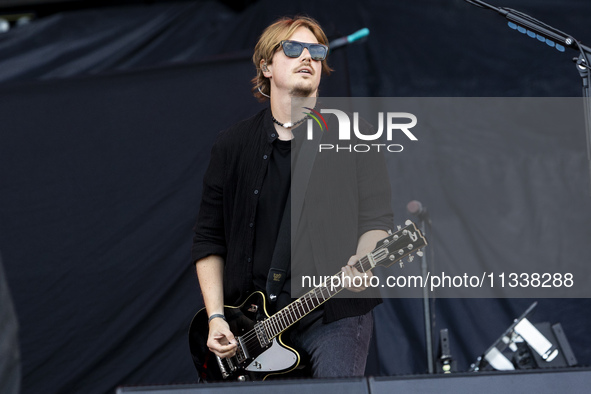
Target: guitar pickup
{"x":241,"y":352}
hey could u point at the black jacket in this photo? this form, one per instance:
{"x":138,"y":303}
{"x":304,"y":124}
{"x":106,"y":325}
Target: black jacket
{"x":348,"y":194}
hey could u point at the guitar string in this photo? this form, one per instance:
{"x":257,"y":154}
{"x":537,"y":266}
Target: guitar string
{"x":280,"y":318}
{"x":283,"y":319}
{"x":292,"y":310}
{"x":277,"y":321}
{"x":298,"y":309}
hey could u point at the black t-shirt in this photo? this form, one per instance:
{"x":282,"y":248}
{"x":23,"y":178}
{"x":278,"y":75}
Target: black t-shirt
{"x":270,"y":210}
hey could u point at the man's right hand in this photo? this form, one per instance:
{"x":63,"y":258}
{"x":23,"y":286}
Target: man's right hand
{"x":221,"y":341}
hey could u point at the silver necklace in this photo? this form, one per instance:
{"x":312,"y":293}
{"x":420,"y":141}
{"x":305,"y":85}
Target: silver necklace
{"x":288,"y":125}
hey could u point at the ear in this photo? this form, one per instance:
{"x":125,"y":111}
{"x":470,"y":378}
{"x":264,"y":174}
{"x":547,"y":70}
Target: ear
{"x":265,"y":69}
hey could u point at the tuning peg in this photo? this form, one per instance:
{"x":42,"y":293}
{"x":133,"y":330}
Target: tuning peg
{"x":410,"y":258}
{"x":408,"y":222}
{"x":399,"y":227}
{"x":401,"y":264}
{"x":420,"y":253}
{"x":390,"y":232}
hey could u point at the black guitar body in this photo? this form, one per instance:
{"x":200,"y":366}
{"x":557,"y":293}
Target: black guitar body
{"x":260,"y":351}
{"x":252,"y":361}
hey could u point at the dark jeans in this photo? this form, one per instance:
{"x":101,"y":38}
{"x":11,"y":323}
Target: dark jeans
{"x":337,"y":349}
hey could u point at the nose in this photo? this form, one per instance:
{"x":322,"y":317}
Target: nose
{"x":306,"y":54}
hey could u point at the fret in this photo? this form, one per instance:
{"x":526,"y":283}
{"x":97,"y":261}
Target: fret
{"x":289,"y":316}
{"x":284,"y":324}
{"x":365,"y":263}
{"x":275,"y":326}
{"x":310,"y":301}
{"x":318,"y":293}
{"x":293,"y":314}
{"x":382,"y":255}
{"x":306,"y":298}
{"x":360,"y":266}
{"x":299,"y":310}
{"x":329,"y":292}
{"x":280,"y":321}
{"x":322,"y":293}
{"x":267,"y":325}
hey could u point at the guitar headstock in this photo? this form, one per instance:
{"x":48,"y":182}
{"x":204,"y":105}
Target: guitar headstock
{"x":398,"y":245}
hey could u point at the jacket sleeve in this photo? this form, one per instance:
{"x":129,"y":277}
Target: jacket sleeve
{"x":209,"y":231}
{"x":375,"y":209}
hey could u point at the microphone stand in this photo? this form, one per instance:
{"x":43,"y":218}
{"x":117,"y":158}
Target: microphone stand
{"x":427,"y":304}
{"x":553,"y":37}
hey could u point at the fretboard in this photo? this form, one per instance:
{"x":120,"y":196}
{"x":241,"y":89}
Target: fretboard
{"x":295,"y":311}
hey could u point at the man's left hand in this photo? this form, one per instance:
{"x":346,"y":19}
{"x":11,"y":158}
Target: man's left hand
{"x":350,"y":274}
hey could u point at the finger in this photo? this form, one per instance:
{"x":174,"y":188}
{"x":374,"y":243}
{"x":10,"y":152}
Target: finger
{"x":225,"y":354}
{"x":349,"y":283}
{"x":352,"y":260}
{"x":219,"y":329}
{"x":229,"y":335}
{"x":221,"y":350}
{"x":352,"y":273}
{"x":225,"y":351}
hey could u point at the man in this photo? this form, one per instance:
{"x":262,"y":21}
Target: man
{"x":246,"y":189}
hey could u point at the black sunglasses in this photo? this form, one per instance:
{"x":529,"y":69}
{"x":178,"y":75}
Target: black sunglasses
{"x":295,"y":49}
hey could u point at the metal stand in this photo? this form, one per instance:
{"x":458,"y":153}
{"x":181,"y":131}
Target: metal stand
{"x":416,"y":208}
{"x":554,"y":38}
{"x":427,"y":308}
{"x":582,"y":63}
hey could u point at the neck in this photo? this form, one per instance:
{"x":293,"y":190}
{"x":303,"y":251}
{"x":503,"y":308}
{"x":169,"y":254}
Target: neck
{"x":281,"y":110}
{"x":301,"y":307}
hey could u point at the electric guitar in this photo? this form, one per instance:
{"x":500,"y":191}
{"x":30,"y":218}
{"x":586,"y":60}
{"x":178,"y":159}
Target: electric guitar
{"x":260,"y":350}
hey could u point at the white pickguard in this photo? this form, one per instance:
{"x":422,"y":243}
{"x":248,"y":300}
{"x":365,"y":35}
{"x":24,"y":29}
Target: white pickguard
{"x":275,"y":358}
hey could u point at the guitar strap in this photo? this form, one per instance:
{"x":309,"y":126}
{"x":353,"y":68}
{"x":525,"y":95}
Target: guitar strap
{"x":294,"y":204}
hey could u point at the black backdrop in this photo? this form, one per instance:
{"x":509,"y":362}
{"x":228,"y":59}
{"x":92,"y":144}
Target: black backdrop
{"x":107,"y":118}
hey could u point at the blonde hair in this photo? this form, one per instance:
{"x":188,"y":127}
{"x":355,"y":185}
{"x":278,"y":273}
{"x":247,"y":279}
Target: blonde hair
{"x":281,"y":30}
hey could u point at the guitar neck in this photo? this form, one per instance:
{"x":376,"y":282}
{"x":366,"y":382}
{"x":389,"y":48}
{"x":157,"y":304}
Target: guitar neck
{"x":301,"y":307}
{"x":389,"y":250}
